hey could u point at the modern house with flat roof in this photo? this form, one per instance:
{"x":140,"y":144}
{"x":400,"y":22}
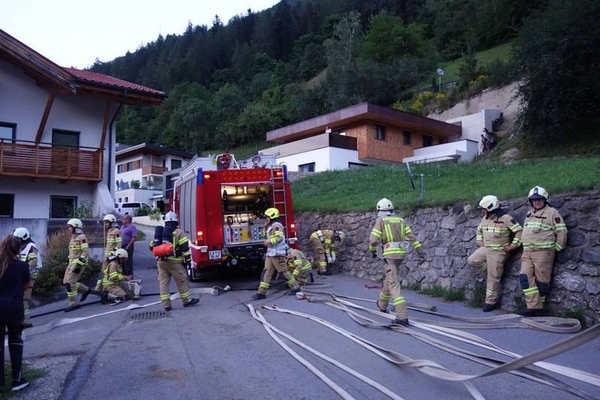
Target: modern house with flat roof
{"x":364,"y":134}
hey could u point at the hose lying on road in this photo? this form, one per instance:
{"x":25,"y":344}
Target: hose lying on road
{"x":499,"y":366}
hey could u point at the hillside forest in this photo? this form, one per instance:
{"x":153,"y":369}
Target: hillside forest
{"x":230,"y":83}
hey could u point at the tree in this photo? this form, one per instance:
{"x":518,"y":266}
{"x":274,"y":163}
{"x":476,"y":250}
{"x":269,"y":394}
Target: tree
{"x":558,"y":60}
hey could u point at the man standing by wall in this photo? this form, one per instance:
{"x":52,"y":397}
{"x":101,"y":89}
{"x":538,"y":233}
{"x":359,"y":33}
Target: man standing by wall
{"x":497,"y":235}
{"x":544,"y":233}
{"x":128,"y":237}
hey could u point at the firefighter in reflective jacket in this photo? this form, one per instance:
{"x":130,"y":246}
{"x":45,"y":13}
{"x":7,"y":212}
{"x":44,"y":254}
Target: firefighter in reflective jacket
{"x":324,"y":244}
{"x":392,"y":232}
{"x":544,"y":233}
{"x":113,"y":242}
{"x":494,"y":234}
{"x":117,"y":287}
{"x":275,"y":258}
{"x":31,"y":255}
{"x":173,"y":266}
{"x":78,"y":260}
{"x":300,"y":266}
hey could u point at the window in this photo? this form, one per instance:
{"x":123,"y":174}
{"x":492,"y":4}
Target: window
{"x":310,"y":167}
{"x":8,"y":131}
{"x":62,"y":206}
{"x":407,"y":138}
{"x":65,"y":138}
{"x":175,"y":164}
{"x":7,"y":205}
{"x":379,"y":132}
{"x":427,"y":141}
{"x":129,"y":166}
{"x":356,"y":165}
{"x":120,"y":169}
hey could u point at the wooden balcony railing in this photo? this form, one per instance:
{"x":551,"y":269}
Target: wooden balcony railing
{"x":42,"y":160}
{"x":153,"y":170}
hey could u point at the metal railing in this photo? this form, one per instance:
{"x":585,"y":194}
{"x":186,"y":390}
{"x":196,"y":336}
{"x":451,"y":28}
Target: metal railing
{"x":44,"y":160}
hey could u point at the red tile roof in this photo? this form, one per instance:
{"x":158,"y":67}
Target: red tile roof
{"x":94,"y":77}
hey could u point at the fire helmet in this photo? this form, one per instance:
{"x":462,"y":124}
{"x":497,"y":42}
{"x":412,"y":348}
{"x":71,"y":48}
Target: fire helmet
{"x":341,"y":236}
{"x":121,"y":253}
{"x":385,"y":205}
{"x":537,"y":192}
{"x":75,"y":223}
{"x":170,"y":217}
{"x":110,"y":218}
{"x":21,"y":233}
{"x":489,"y":203}
{"x":272,"y":213}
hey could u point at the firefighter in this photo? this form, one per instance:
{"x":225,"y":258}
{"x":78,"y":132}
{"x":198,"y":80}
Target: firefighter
{"x":116,"y":286}
{"x":31,"y":255}
{"x":113,"y":242}
{"x":174,"y":265}
{"x":497,"y":235}
{"x":78,"y":260}
{"x":275,"y":258}
{"x":392,"y":233}
{"x":544,"y":233}
{"x":324,"y":244}
{"x":300,"y":266}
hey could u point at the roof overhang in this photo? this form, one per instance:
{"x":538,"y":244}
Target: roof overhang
{"x":360,"y":113}
{"x":150,"y":149}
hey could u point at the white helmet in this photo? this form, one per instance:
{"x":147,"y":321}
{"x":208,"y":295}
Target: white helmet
{"x":75,"y":223}
{"x":170,"y":217}
{"x":489,"y":203}
{"x":385,"y":205}
{"x":121,"y":253}
{"x":21,"y":233}
{"x":341,"y":236}
{"x":110,"y":218}
{"x":538,"y":192}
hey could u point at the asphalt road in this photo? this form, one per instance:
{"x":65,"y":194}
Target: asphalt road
{"x":216,"y":350}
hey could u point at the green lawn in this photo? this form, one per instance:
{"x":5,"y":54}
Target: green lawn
{"x":358,"y":190}
{"x":485,"y":57}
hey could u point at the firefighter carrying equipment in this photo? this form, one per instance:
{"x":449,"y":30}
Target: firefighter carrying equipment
{"x":272,"y":213}
{"x":489,"y":203}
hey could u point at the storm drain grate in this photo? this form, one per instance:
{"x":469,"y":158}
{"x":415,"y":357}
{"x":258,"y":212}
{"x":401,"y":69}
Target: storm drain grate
{"x":149,"y":315}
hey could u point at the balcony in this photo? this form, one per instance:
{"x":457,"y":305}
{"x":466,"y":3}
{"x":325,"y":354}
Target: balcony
{"x":153,"y":170}
{"x":25,"y":158}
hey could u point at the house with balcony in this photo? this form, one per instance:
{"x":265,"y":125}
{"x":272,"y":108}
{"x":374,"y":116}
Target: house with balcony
{"x":365,"y":134}
{"x":145,"y":172}
{"x":57,"y":136}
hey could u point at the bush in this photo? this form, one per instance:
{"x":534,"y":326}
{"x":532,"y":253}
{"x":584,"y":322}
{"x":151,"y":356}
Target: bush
{"x":55,"y":254}
{"x":499,"y":73}
{"x":156,"y":214}
{"x":142,"y":211}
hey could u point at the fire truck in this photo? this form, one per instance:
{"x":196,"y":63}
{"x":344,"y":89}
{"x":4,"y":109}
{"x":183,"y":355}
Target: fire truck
{"x":221,"y":203}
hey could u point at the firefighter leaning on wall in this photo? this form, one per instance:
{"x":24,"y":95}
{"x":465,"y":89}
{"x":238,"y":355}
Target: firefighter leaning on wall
{"x":497,"y":235}
{"x":392,"y":233}
{"x":324,"y":245}
{"x":544,"y":233}
{"x":113,"y":242}
{"x":115,"y":286}
{"x":275,"y":257}
{"x":300,"y":266}
{"x":31,"y":255}
{"x":173,"y":265}
{"x":78,"y":260}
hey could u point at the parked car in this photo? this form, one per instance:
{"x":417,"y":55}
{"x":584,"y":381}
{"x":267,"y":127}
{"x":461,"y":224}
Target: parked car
{"x":129,"y":208}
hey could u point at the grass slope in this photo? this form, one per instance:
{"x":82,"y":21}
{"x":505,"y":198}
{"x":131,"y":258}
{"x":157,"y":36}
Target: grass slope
{"x":358,"y":190}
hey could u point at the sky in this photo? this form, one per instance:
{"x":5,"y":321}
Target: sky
{"x":74,"y":33}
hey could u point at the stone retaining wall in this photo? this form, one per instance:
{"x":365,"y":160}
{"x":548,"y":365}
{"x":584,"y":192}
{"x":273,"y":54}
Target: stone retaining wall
{"x":448,"y":237}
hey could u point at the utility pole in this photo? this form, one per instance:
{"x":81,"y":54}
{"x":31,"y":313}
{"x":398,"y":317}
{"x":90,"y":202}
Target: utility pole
{"x":440,"y":73}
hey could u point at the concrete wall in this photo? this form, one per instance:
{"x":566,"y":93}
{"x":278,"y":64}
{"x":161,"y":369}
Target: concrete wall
{"x":472,"y":125}
{"x":448,"y":237}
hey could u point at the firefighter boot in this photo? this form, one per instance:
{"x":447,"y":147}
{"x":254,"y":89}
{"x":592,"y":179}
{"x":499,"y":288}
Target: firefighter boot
{"x":489,"y":307}
{"x":403,"y":322}
{"x":73,"y":308}
{"x":191,"y":302}
{"x":259,"y":296}
{"x":86,"y":294}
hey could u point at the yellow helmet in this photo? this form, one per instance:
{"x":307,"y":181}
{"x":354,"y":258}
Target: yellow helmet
{"x":489,"y":203}
{"x":75,"y":223}
{"x":272,"y":213}
{"x":537,"y":192}
{"x":121,"y":253}
{"x":385,"y":205}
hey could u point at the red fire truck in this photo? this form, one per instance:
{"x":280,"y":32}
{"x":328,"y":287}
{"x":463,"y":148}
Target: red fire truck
{"x":221,"y":206}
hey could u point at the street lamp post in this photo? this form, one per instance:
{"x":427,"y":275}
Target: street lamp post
{"x":440,"y":73}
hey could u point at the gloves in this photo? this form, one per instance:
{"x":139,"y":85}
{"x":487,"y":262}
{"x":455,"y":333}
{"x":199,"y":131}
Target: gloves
{"x":332,"y":258}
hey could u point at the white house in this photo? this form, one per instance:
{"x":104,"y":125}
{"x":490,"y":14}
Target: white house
{"x":57,"y":136}
{"x":142,"y":172}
